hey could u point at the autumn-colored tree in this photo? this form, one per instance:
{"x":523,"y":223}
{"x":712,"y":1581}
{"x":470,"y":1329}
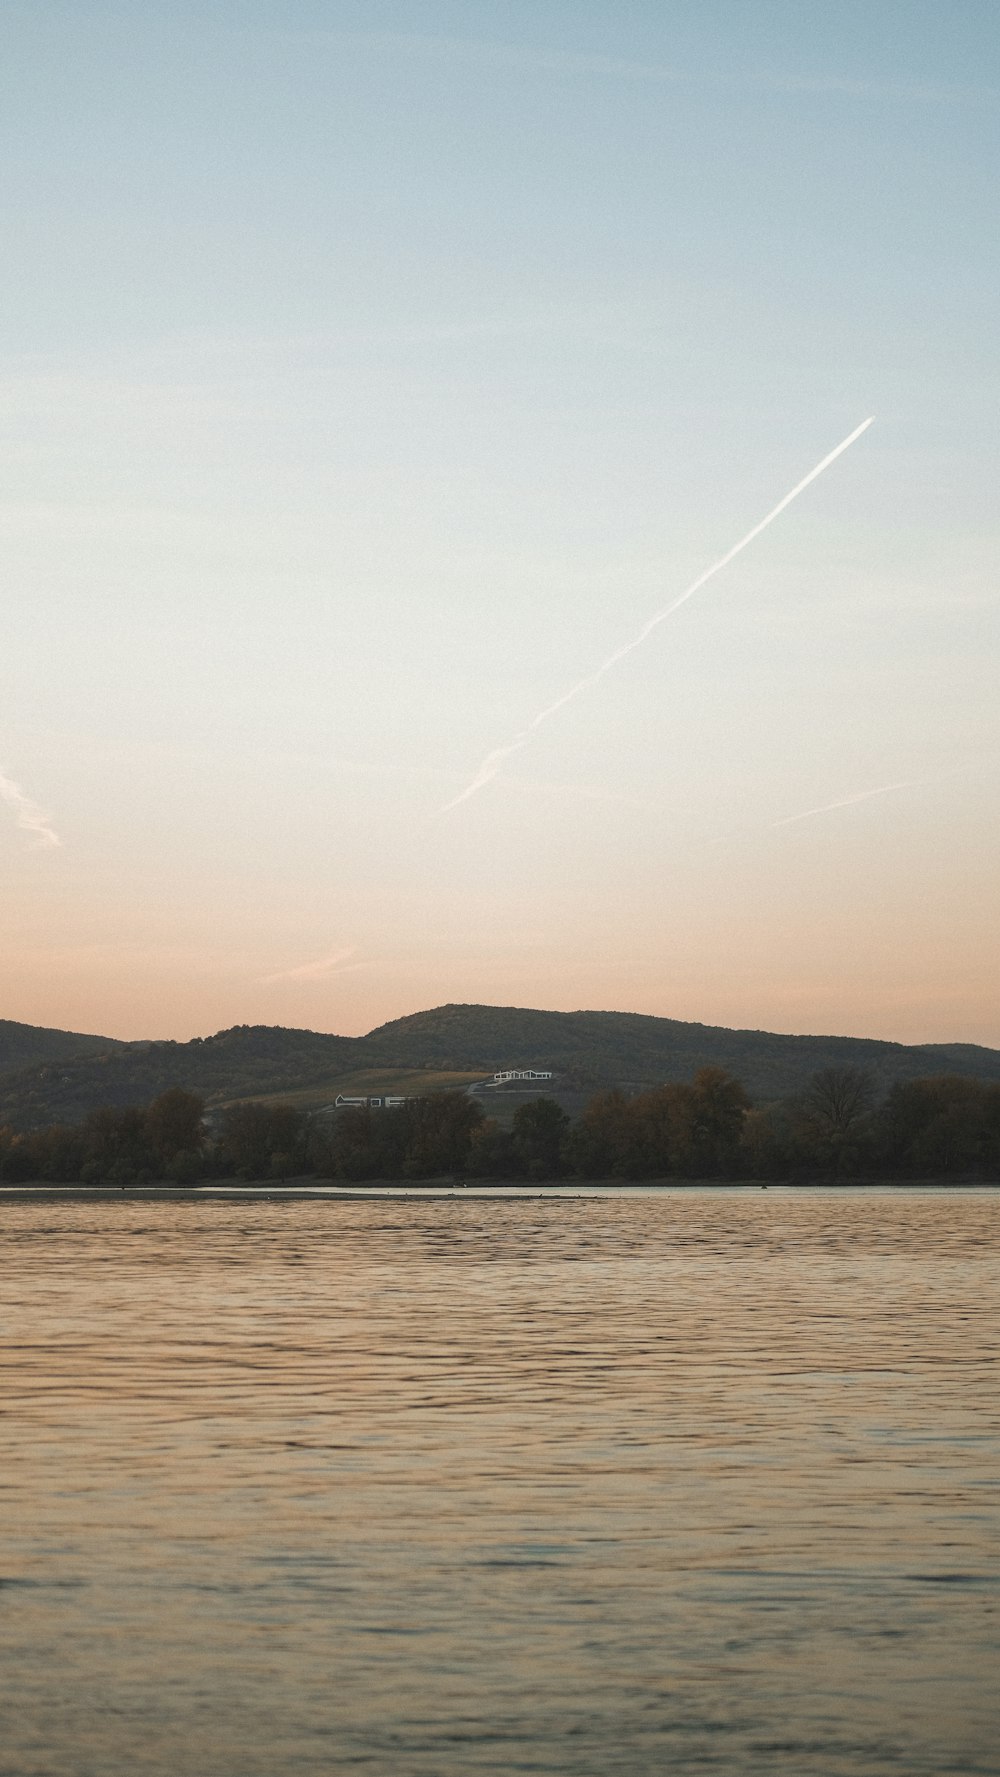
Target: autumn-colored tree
{"x":599,"y":1143}
{"x":538,"y":1138}
{"x":491,"y":1152}
{"x":115,"y":1143}
{"x":351,"y":1145}
{"x":438,"y":1131}
{"x":253,"y":1135}
{"x":652,"y":1126}
{"x":174,"y":1123}
{"x":707,"y":1122}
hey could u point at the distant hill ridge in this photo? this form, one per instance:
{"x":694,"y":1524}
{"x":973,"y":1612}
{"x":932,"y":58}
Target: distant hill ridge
{"x":244,"y":1062}
{"x":24,"y":1044}
{"x":608,"y":1047}
{"x":57,"y":1076}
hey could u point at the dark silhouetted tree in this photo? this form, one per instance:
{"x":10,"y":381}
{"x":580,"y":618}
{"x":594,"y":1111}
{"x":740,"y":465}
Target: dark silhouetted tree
{"x":707,"y":1118}
{"x":941,"y":1126}
{"x":174,"y":1123}
{"x":599,"y":1143}
{"x":538,"y":1138}
{"x":438,"y":1133}
{"x":253,"y":1136}
{"x":491,"y":1152}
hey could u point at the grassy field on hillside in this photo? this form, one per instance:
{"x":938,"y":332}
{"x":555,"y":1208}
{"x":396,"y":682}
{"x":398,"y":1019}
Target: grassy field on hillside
{"x":368,"y":1083}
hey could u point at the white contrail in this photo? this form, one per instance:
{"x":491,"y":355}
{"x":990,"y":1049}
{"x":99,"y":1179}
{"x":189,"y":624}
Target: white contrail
{"x":493,"y":761}
{"x":30,"y":818}
{"x":906,"y":783}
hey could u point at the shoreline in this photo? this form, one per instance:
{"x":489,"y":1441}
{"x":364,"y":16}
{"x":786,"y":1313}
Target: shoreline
{"x":559,"y":1190}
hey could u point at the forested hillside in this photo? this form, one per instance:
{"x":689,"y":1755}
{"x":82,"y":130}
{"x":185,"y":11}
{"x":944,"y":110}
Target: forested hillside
{"x":837,"y":1129}
{"x":628,"y":1048}
{"x":584,"y":1050}
{"x":22,"y":1045}
{"x":248,"y":1061}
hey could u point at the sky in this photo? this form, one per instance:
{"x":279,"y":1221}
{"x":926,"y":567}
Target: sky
{"x":371,"y":375}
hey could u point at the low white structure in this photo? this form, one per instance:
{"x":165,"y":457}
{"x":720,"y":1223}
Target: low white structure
{"x":519,"y":1073}
{"x":370,"y":1104}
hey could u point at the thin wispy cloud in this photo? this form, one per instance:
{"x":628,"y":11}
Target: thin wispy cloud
{"x":494,"y":760}
{"x":319,"y":970}
{"x":807,"y":814}
{"x":479,"y":52}
{"x":29,"y":817}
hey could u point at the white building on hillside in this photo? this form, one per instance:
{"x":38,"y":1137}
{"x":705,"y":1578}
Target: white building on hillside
{"x":387,"y":1103}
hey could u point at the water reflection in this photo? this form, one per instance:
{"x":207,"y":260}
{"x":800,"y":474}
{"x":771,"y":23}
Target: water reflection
{"x":661,"y":1482}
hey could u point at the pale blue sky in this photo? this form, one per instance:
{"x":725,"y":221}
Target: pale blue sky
{"x":370,"y":372}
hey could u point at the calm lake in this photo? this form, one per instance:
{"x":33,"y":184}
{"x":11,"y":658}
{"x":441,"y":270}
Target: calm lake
{"x":659,"y":1482}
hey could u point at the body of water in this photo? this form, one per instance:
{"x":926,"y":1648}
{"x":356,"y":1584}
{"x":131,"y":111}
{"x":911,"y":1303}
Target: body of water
{"x":666,"y":1482}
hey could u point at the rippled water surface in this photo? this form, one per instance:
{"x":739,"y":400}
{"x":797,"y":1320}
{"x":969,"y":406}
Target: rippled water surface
{"x":675,"y":1482}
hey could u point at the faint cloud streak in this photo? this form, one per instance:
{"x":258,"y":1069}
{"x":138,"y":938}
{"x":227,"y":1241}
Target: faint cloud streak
{"x":321,"y":970}
{"x":29,"y":817}
{"x":526,"y":58}
{"x":908,"y":783}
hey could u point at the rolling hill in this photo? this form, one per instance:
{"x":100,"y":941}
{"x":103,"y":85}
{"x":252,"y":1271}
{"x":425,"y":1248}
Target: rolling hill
{"x":66,"y":1075}
{"x":26,"y":1045}
{"x":629,"y":1048}
{"x":248,"y":1061}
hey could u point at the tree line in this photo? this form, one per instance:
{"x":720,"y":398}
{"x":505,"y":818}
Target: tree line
{"x":837,"y":1128}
